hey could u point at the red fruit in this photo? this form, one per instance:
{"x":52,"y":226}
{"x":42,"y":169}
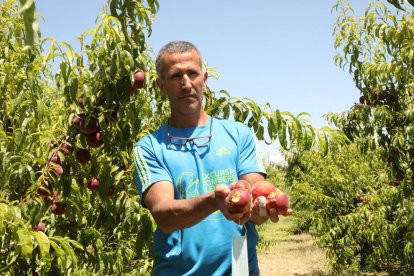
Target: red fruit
{"x":78,"y":120}
{"x":239,"y":201}
{"x":111,"y":191}
{"x":139,"y":78}
{"x":46,"y":199}
{"x":83,"y":156}
{"x":56,"y":168}
{"x":59,"y":208}
{"x":40,"y":226}
{"x":89,"y":126}
{"x":93,"y":183}
{"x":240,"y":184}
{"x":278,"y":200}
{"x":44,"y":189}
{"x":132,"y":90}
{"x":55,"y":196}
{"x":94,"y":140}
{"x":67,"y":147}
{"x":262,"y":188}
{"x":55,"y":158}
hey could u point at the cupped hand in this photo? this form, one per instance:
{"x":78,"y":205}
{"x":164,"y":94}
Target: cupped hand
{"x":261,"y":214}
{"x":221,"y":193}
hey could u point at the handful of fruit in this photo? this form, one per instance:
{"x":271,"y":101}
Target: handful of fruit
{"x":267,"y":195}
{"x":264,"y":194}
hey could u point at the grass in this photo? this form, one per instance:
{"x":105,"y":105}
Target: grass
{"x":283,"y":253}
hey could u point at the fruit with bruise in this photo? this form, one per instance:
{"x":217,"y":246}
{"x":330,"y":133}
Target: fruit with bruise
{"x":238,"y":201}
{"x":240,"y":184}
{"x":278,"y":200}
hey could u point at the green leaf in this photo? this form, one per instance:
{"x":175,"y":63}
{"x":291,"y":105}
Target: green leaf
{"x":59,"y":251}
{"x":396,"y":4}
{"x":281,"y":124}
{"x":25,"y":243}
{"x":4,"y":210}
{"x":6,"y":267}
{"x":27,"y":8}
{"x":64,"y":242}
{"x":14,"y":213}
{"x":43,"y":242}
{"x":2,"y":228}
{"x":76,"y":244}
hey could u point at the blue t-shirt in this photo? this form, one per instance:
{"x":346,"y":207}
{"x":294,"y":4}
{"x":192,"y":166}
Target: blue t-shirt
{"x":205,"y":248}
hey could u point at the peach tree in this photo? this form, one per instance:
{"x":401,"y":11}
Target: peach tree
{"x":69,"y":120}
{"x":361,"y":202}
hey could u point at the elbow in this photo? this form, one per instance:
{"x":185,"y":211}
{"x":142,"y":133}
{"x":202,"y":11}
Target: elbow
{"x":165,"y":229}
{"x":164,"y":224}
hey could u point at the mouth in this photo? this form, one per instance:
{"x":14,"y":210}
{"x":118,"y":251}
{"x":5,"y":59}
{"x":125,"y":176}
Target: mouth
{"x":189,"y":96}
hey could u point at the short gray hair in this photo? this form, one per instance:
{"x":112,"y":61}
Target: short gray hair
{"x":175,"y":47}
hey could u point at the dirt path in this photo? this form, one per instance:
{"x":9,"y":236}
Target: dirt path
{"x":288,"y":254}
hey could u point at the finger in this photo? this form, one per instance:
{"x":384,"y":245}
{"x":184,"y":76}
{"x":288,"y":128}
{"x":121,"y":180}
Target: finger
{"x":245,"y":218}
{"x":287,"y":212}
{"x":260,"y":206}
{"x":222,"y":191}
{"x":273,"y":214}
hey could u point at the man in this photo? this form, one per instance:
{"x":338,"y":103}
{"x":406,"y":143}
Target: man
{"x":183,"y":171}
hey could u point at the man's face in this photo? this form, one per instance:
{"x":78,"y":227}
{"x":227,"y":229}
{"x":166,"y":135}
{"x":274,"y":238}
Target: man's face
{"x":183,"y":82}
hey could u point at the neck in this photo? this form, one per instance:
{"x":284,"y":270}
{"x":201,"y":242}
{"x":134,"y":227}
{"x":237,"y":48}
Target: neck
{"x":189,"y":120}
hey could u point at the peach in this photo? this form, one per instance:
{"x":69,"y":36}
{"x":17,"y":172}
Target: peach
{"x":278,"y":200}
{"x":93,"y":183}
{"x":262,"y":188}
{"x":239,"y":201}
{"x":240,"y":184}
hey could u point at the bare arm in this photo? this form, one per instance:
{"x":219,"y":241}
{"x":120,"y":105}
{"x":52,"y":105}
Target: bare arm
{"x":173,"y":214}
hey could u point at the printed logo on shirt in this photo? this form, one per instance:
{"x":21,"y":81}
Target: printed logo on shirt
{"x":222,"y":151}
{"x":187,"y":185}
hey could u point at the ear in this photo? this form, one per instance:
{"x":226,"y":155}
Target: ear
{"x":160,"y":85}
{"x":205,"y":77}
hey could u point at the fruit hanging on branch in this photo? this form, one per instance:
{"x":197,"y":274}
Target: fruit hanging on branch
{"x":86,"y":125}
{"x":93,"y":183}
{"x":95,"y":140}
{"x":44,"y":189}
{"x":40,"y":227}
{"x":83,"y":156}
{"x":55,"y":158}
{"x":59,"y":208}
{"x":139,"y":79}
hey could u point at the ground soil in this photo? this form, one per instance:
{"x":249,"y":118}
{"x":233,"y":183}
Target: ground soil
{"x":282,"y":253}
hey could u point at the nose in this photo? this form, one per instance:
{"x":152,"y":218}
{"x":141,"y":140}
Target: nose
{"x":186,"y":82}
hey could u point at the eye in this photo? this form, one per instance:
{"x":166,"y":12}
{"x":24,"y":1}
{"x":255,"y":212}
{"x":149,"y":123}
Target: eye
{"x":175,"y":75}
{"x":193,"y":74}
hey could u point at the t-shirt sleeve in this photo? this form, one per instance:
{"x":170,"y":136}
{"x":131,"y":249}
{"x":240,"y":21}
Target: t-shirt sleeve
{"x":249,"y":160}
{"x":147,"y":168}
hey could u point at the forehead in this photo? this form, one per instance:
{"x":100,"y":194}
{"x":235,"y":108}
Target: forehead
{"x":178,"y":60}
